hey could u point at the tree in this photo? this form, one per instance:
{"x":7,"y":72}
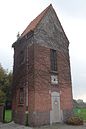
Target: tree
{"x":8,"y":87}
{"x":2,"y":77}
{"x":2,"y":97}
{"x":5,"y":85}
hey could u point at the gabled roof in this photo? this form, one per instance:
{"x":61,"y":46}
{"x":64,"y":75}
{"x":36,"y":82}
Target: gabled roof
{"x":35,"y":22}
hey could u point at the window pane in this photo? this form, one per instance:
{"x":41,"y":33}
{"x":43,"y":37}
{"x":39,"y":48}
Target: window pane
{"x":53,"y":55}
{"x":21,"y":96}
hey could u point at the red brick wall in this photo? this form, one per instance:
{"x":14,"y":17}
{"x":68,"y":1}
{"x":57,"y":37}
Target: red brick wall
{"x":64,"y":76}
{"x":42,"y":78}
{"x":22,"y":74}
{"x":66,"y":98}
{"x":1,"y":112}
{"x":31,"y":101}
{"x":39,"y":83}
{"x":42,"y":101}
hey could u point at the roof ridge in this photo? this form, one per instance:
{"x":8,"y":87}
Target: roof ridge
{"x":33,"y":24}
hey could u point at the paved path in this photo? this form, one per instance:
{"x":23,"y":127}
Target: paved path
{"x":62,"y":126}
{"x":12,"y":125}
{"x":71,"y":127}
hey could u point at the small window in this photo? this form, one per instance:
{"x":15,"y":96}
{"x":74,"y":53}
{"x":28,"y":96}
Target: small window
{"x":21,"y":96}
{"x":21,"y":57}
{"x":53,"y":56}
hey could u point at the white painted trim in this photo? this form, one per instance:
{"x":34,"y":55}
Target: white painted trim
{"x":56,"y":94}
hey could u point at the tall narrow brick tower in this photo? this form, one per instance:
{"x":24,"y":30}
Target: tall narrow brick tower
{"x":42,"y":91}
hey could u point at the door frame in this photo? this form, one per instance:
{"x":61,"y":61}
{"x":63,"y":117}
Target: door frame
{"x":56,"y":94}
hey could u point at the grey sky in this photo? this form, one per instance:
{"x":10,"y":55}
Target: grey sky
{"x":74,"y":8}
{"x":16,"y":15}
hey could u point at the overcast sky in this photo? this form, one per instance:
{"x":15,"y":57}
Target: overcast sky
{"x":15,"y":15}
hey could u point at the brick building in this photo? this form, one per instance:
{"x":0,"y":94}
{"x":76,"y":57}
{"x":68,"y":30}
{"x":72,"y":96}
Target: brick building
{"x":42,"y":91}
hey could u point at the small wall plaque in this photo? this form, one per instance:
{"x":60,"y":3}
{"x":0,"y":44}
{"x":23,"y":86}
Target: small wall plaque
{"x":54,"y":79}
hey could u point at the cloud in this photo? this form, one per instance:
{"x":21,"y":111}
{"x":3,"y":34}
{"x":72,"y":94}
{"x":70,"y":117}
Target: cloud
{"x":72,"y":8}
{"x":16,"y":15}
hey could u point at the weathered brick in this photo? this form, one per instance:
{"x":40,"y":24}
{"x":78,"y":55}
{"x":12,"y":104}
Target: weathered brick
{"x":34,"y":72}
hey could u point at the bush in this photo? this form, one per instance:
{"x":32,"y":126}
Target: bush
{"x":2,"y":97}
{"x":75,"y":120}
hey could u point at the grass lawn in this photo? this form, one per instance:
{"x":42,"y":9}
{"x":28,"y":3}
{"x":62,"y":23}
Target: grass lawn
{"x":8,"y":115}
{"x":81,"y":112}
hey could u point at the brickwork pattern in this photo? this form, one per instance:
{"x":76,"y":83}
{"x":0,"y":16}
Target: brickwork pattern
{"x":35,"y":70}
{"x":1,"y":113}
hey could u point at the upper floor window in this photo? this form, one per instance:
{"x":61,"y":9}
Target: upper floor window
{"x":53,"y":56}
{"x":21,"y":96}
{"x":21,"y":58}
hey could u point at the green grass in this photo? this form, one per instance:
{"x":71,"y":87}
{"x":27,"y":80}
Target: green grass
{"x":81,"y":112}
{"x":8,"y":115}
